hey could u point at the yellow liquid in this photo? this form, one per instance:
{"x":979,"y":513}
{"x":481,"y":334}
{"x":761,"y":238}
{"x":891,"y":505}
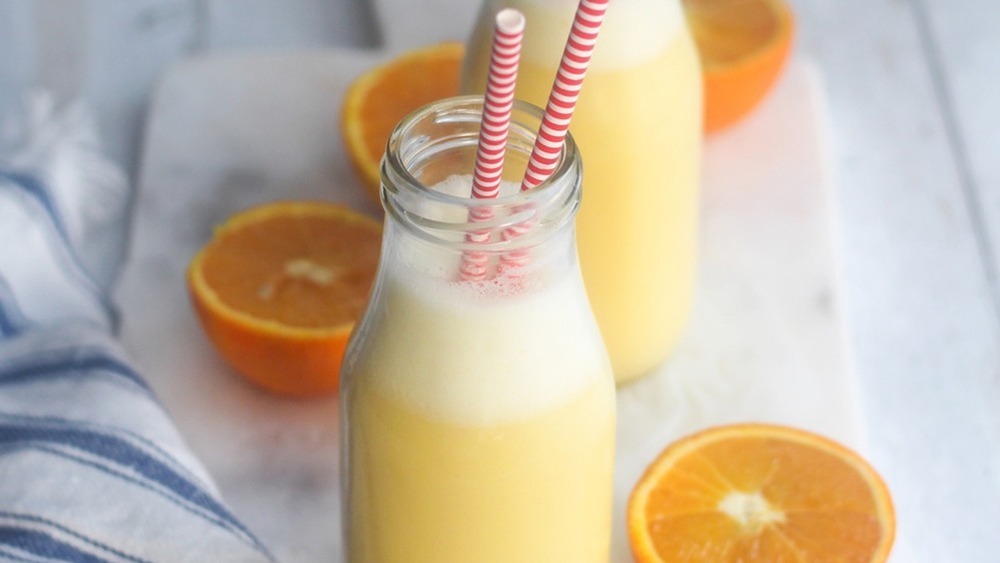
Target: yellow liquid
{"x":464,"y":448}
{"x":427,"y":490}
{"x":638,"y":127}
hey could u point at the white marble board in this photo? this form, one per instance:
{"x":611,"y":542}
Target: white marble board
{"x":766,"y":340}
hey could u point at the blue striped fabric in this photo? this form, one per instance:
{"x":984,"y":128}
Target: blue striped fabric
{"x":91,"y":467}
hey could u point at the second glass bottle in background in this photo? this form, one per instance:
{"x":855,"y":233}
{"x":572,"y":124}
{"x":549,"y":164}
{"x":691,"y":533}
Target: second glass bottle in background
{"x":638,"y":124}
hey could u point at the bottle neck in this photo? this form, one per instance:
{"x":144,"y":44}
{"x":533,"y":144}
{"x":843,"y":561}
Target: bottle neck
{"x":426,"y":192}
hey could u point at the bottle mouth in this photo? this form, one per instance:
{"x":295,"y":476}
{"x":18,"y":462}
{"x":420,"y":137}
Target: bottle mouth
{"x":427,"y":177}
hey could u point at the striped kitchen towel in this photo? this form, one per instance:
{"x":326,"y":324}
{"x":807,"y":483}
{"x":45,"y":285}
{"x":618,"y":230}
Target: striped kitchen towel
{"x":91,"y":467}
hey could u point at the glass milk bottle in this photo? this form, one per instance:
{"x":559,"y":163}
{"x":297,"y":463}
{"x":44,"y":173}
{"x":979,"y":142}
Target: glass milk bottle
{"x":638,"y":126}
{"x":478,"y":416}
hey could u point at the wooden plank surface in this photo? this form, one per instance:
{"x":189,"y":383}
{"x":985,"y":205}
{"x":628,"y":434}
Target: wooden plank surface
{"x":962,"y":45}
{"x":924,"y":333}
{"x":912,"y":88}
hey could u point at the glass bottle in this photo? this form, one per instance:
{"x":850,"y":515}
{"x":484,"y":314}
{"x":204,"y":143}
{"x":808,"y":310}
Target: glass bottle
{"x":478,"y":416}
{"x":638,"y":124}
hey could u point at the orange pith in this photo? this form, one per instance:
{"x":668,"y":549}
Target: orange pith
{"x":279,"y":288}
{"x":743,"y":45}
{"x":755,"y":492}
{"x":378,"y":99}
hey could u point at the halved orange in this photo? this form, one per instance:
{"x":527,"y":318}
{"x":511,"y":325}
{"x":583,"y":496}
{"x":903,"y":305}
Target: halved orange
{"x":743,"y":45}
{"x":377,"y":100}
{"x":279,"y":288}
{"x":756,"y":492}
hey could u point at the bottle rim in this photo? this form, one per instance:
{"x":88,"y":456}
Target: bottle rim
{"x":549,"y":206}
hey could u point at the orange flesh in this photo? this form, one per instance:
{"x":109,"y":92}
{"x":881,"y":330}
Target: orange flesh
{"x":743,"y":46}
{"x":322,"y":282}
{"x":402,"y":90}
{"x":726,"y":32}
{"x":279,"y":288}
{"x":755,"y":497}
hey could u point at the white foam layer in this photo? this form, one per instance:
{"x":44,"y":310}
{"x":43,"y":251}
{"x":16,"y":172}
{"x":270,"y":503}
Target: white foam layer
{"x":456,"y":353}
{"x":424,"y":257}
{"x":633,"y":32}
{"x":458,"y":185}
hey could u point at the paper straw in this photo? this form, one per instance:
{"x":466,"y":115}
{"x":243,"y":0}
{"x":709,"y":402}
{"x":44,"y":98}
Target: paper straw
{"x":559,"y":109}
{"x":565,"y":91}
{"x":498,"y":105}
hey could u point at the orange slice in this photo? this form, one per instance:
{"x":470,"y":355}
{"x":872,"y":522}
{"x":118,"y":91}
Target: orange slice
{"x":743,"y":46}
{"x":279,"y":288}
{"x":754,"y":492}
{"x":378,"y":99}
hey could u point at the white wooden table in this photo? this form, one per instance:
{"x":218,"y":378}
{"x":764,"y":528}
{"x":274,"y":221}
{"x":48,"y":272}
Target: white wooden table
{"x":913,"y":91}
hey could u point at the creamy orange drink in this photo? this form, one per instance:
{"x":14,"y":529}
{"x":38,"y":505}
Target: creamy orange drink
{"x":478,"y":415}
{"x":638,"y":126}
{"x":485,"y":455}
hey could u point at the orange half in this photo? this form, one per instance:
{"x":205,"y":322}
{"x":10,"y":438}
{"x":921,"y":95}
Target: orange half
{"x":377,"y":100}
{"x":279,"y":288}
{"x":743,"y":45}
{"x":755,"y":492}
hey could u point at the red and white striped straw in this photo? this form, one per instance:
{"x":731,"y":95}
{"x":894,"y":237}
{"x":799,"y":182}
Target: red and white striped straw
{"x":565,"y":91}
{"x":559,"y":109}
{"x":498,"y":105}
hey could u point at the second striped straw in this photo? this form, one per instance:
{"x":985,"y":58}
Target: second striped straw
{"x":498,"y":105}
{"x":559,"y":110}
